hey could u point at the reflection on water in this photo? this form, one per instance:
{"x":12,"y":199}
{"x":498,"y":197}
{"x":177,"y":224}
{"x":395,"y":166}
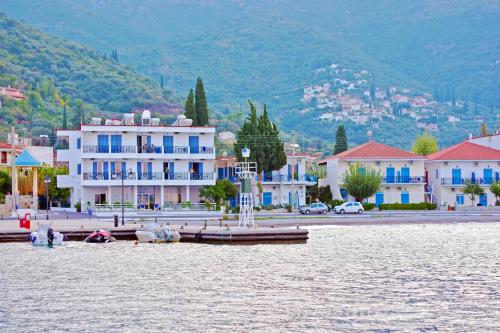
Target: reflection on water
{"x":379,"y":278}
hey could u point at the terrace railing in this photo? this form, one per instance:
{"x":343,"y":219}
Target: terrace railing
{"x":403,"y":180}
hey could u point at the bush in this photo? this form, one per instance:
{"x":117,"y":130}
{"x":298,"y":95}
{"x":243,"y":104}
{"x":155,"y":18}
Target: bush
{"x":78,"y":206}
{"x":257,"y":208}
{"x":288,"y":208}
{"x":2,"y":198}
{"x":334,"y":203}
{"x":368,"y":206}
{"x":411,"y":206}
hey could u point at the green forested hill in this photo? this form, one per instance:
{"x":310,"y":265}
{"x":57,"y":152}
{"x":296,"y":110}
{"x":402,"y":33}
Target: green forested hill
{"x":31,"y":57}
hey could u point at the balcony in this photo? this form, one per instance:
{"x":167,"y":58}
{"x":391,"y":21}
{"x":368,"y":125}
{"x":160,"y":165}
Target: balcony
{"x":403,"y":180}
{"x":149,"y":149}
{"x":201,"y":176}
{"x":95,"y":149}
{"x":455,"y":181}
{"x":176,"y":175}
{"x":176,"y":149}
{"x":288,"y":179}
{"x":108,"y":176}
{"x":150,"y":176}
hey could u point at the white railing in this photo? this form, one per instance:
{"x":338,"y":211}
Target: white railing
{"x":129,"y":207}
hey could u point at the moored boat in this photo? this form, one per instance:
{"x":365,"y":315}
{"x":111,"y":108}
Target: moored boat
{"x":45,"y":235}
{"x":155,"y":233}
{"x":100,"y":236}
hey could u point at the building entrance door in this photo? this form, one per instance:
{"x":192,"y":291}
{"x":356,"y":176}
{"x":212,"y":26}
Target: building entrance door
{"x":146,"y":200}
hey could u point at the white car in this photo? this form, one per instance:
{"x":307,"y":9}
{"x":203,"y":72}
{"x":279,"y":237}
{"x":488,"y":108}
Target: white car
{"x":352,"y":207}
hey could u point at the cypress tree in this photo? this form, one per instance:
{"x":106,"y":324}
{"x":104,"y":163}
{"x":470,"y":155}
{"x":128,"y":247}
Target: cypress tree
{"x":200,"y":103}
{"x":161,"y":81}
{"x":340,"y":141}
{"x":189,"y":110}
{"x":65,"y":118}
{"x":484,"y":129}
{"x":372,"y":90}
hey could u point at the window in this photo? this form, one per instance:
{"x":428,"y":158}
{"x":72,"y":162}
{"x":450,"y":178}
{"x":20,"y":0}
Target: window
{"x":79,"y":169}
{"x":78,"y":143}
{"x":116,"y":144}
{"x":405,"y":197}
{"x":459,"y":200}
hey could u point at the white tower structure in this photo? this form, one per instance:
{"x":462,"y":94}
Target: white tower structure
{"x":246,"y":171}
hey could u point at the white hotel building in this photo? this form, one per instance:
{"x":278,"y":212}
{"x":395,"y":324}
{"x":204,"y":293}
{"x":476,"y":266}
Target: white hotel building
{"x":162,"y":165}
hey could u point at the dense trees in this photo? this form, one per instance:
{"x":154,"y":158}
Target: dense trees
{"x":262,"y":137}
{"x":195,"y":106}
{"x":425,"y":145}
{"x":340,"y":140}
{"x":77,"y":71}
{"x":495,"y":189}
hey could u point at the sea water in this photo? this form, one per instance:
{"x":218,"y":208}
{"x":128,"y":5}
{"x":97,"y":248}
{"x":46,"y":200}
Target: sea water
{"x":380,"y":278}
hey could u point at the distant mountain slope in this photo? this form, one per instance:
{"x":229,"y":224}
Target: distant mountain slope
{"x":76,"y":70}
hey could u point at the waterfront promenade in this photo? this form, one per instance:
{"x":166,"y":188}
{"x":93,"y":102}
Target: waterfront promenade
{"x":80,"y":222}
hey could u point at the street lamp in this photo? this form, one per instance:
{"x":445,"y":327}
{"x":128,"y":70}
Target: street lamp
{"x":46,"y":180}
{"x":130,"y":173}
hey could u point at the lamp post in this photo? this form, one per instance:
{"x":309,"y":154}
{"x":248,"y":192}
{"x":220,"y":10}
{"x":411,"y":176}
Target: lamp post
{"x":46,"y":180}
{"x":123,"y":173}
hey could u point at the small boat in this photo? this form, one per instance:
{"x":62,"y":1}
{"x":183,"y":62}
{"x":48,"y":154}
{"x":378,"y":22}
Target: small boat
{"x":45,"y":235}
{"x":155,"y":233}
{"x":100,"y":236}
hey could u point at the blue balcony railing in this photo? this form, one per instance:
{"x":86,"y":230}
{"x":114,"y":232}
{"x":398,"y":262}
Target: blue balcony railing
{"x":107,"y":176}
{"x":403,"y":180}
{"x":176,"y":175}
{"x":288,"y":178}
{"x":201,"y":176}
{"x":462,"y":181}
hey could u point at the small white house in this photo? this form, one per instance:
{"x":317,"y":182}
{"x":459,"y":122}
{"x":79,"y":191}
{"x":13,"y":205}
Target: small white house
{"x":448,"y":170}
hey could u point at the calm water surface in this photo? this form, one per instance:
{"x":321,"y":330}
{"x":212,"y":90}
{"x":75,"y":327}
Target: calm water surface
{"x":368,"y":278}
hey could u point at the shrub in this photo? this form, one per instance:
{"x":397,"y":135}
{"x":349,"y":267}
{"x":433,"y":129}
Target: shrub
{"x":368,"y":206}
{"x":334,"y":203}
{"x":411,"y":206}
{"x":78,"y":206}
{"x":257,"y":208}
{"x":288,"y":208}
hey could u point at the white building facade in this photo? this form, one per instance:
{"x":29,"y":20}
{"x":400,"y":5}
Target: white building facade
{"x":402,"y":172}
{"x":287,"y":186}
{"x":151,"y":164}
{"x":449,"y":170}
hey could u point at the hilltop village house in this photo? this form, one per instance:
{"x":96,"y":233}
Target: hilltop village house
{"x":448,"y":171}
{"x":402,"y":172}
{"x":161,"y":165}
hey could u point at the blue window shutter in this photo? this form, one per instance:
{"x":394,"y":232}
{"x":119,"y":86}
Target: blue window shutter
{"x":168,"y":144}
{"x":106,"y":174}
{"x":94,"y":170}
{"x":389,"y":173}
{"x":405,"y":175}
{"x":488,"y":176}
{"x":78,"y":143}
{"x":139,"y":170}
{"x":200,"y":169}
{"x":456,"y":176}
{"x":103,"y":143}
{"x":112,"y":165}
{"x":79,"y":169}
{"x":194,"y":144}
{"x":220,"y":173}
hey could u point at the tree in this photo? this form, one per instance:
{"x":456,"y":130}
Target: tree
{"x":361,"y":183}
{"x":78,"y":113}
{"x":425,"y":145}
{"x":372,"y":90}
{"x":388,"y":93}
{"x":495,"y":189}
{"x":65,"y":118}
{"x":325,"y":194}
{"x":453,"y":97}
{"x":340,"y":140}
{"x":189,"y":110}
{"x":484,"y":129}
{"x":223,"y":189}
{"x":261,"y":136}
{"x":114,"y":55}
{"x":200,"y":104}
{"x":472,"y":190}
{"x":161,"y":81}
{"x":5,"y":182}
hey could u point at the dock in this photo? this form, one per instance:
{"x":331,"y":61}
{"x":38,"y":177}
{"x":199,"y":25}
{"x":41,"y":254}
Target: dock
{"x":10,"y":232}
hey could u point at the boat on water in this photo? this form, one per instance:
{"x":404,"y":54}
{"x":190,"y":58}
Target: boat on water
{"x":46,"y":236}
{"x":100,"y":236}
{"x":156,"y":233}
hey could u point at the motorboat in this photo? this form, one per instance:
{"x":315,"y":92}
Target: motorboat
{"x":100,"y":236}
{"x":156,"y":233}
{"x":46,"y":236}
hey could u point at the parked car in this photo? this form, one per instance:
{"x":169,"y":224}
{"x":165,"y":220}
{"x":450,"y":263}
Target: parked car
{"x":352,"y":207}
{"x":314,"y":208}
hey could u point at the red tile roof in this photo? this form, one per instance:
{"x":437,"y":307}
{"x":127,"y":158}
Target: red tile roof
{"x":466,"y":151}
{"x":374,"y":150}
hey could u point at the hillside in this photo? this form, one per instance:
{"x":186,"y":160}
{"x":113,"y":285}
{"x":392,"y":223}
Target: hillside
{"x":77,"y":71}
{"x":269,"y":50}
